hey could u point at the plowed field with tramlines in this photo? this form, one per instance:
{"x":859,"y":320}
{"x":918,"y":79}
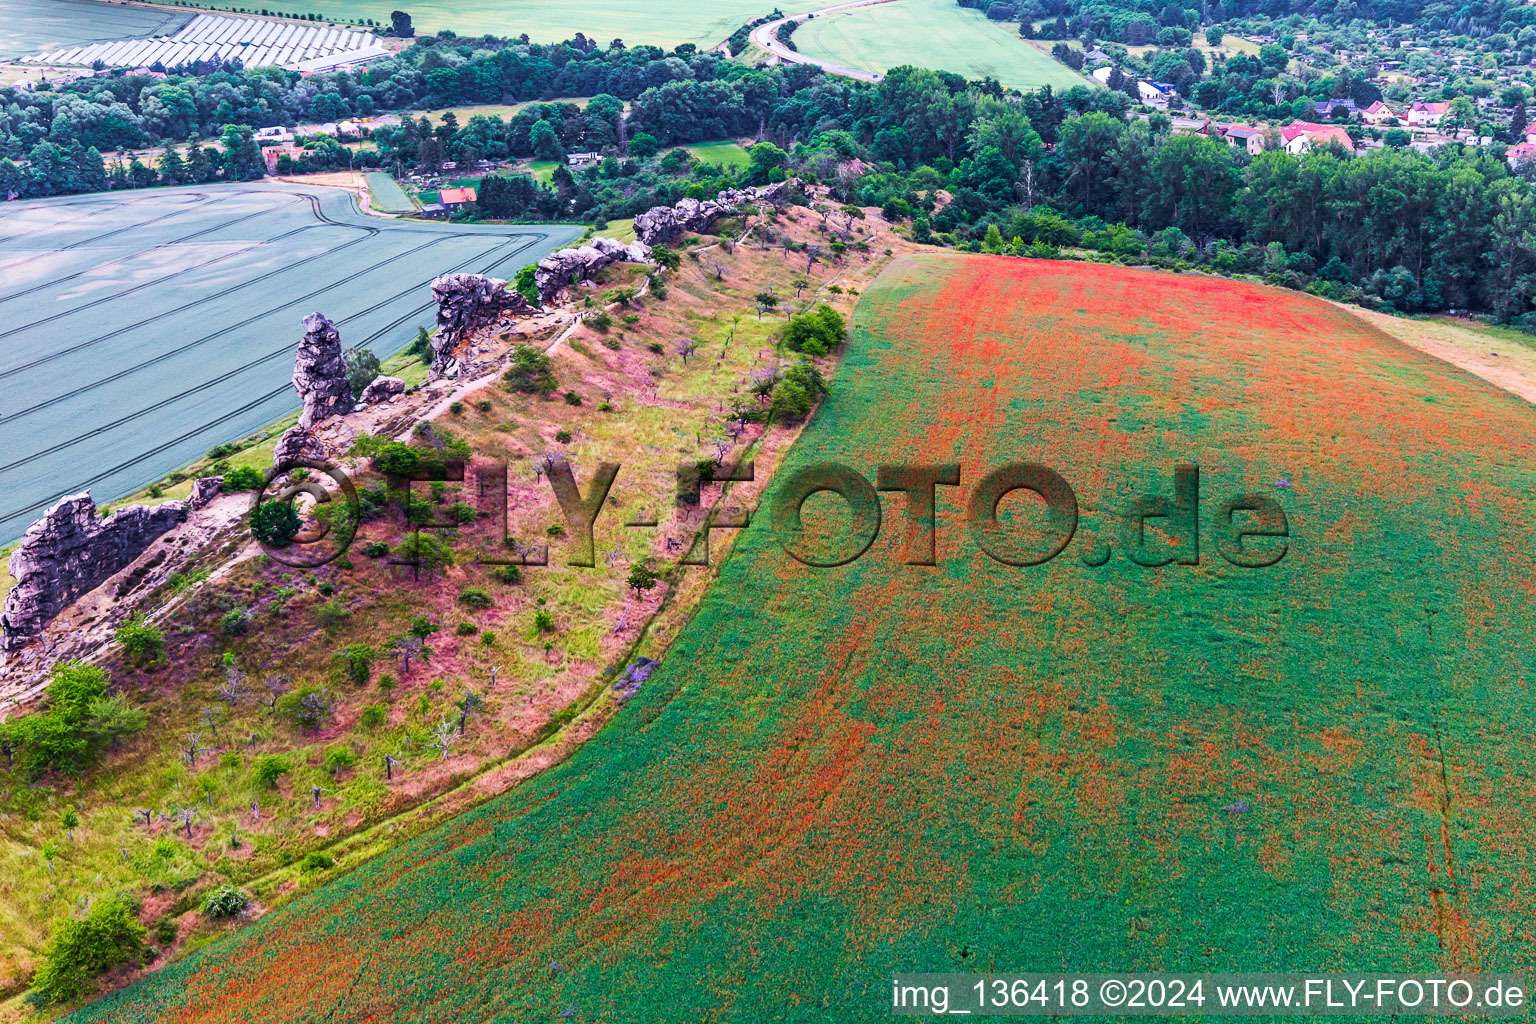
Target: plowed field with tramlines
{"x":840,"y":773}
{"x":139,"y":329}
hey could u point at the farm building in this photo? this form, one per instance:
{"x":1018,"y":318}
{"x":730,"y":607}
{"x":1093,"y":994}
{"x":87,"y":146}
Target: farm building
{"x":453,"y":198}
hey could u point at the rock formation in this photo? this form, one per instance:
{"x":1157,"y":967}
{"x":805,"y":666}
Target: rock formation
{"x":204,"y":490}
{"x":661,"y":224}
{"x":72,"y":549}
{"x":381,"y":389}
{"x":465,"y":303}
{"x":570,"y":266}
{"x":320,"y":373}
{"x":297,"y":445}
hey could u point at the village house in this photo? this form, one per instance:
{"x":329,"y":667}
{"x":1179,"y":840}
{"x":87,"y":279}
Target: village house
{"x":1523,"y":153}
{"x":453,"y":198}
{"x":274,"y":153}
{"x":1303,"y":136}
{"x":1244,"y":137}
{"x":1325,"y":108}
{"x":1427,"y":115}
{"x":1377,"y":113}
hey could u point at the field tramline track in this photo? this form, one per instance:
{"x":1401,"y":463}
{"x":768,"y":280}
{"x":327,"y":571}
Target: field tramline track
{"x":84,"y":216}
{"x":50,"y":357}
{"x":527,"y":242}
{"x":187,"y":208}
{"x":235,"y":372}
{"x":183,"y":240}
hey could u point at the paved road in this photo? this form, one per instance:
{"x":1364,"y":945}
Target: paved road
{"x":767,"y":37}
{"x":139,"y":329}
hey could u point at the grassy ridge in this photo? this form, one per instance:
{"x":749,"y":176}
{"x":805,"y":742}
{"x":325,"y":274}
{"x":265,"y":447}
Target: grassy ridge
{"x":843,"y":773}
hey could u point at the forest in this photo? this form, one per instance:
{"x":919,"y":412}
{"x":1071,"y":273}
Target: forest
{"x":966,"y":163}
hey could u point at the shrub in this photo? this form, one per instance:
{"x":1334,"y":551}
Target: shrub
{"x":815,"y":332}
{"x":244,"y":478}
{"x":475,"y":597}
{"x":309,"y":707}
{"x":508,"y":574}
{"x":269,"y":768}
{"x":339,"y":759}
{"x":375,"y":715}
{"x":466,"y":629}
{"x":462,"y":513}
{"x":142,"y":642}
{"x":641,"y":578}
{"x":796,"y":392}
{"x":487,"y":638}
{"x":600,"y":321}
{"x":61,"y":738}
{"x":316,"y":861}
{"x":235,"y":622}
{"x":543,"y":621}
{"x":563,"y":436}
{"x":424,"y":551}
{"x":332,"y":614}
{"x":376,"y":549}
{"x":276,"y":523}
{"x":531,"y":372}
{"x":357,"y":662}
{"x":225,"y":901}
{"x":572,"y":398}
{"x":81,"y":951}
{"x":666,"y":258}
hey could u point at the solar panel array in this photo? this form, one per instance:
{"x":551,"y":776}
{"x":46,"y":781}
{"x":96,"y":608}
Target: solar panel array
{"x":256,"y":42}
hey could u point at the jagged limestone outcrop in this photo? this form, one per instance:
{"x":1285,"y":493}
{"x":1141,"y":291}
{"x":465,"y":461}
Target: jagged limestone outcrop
{"x":465,"y":303}
{"x":72,"y":549}
{"x":320,"y":373}
{"x":381,"y":389}
{"x":662,"y":224}
{"x":568,"y":267}
{"x":297,"y":445}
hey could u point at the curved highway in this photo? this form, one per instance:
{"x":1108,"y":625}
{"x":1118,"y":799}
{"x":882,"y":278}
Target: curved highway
{"x":767,"y":37}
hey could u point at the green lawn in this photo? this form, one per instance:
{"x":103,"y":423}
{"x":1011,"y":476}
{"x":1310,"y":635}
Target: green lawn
{"x":723,"y":152}
{"x":660,"y":22}
{"x":541,"y":170}
{"x":505,"y":111}
{"x":934,"y":34}
{"x":387,"y":194}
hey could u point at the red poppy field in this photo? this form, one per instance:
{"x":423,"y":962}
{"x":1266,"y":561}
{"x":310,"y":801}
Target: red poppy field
{"x":1325,"y":764}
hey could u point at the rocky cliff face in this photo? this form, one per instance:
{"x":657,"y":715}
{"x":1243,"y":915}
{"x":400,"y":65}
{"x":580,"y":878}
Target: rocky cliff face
{"x":381,"y":389}
{"x":567,"y":267}
{"x":662,"y":224}
{"x":73,"y":549}
{"x":320,"y":373}
{"x":297,"y":445}
{"x":465,"y":303}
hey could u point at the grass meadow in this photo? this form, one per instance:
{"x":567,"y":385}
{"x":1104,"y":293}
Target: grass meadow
{"x":935,"y":34}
